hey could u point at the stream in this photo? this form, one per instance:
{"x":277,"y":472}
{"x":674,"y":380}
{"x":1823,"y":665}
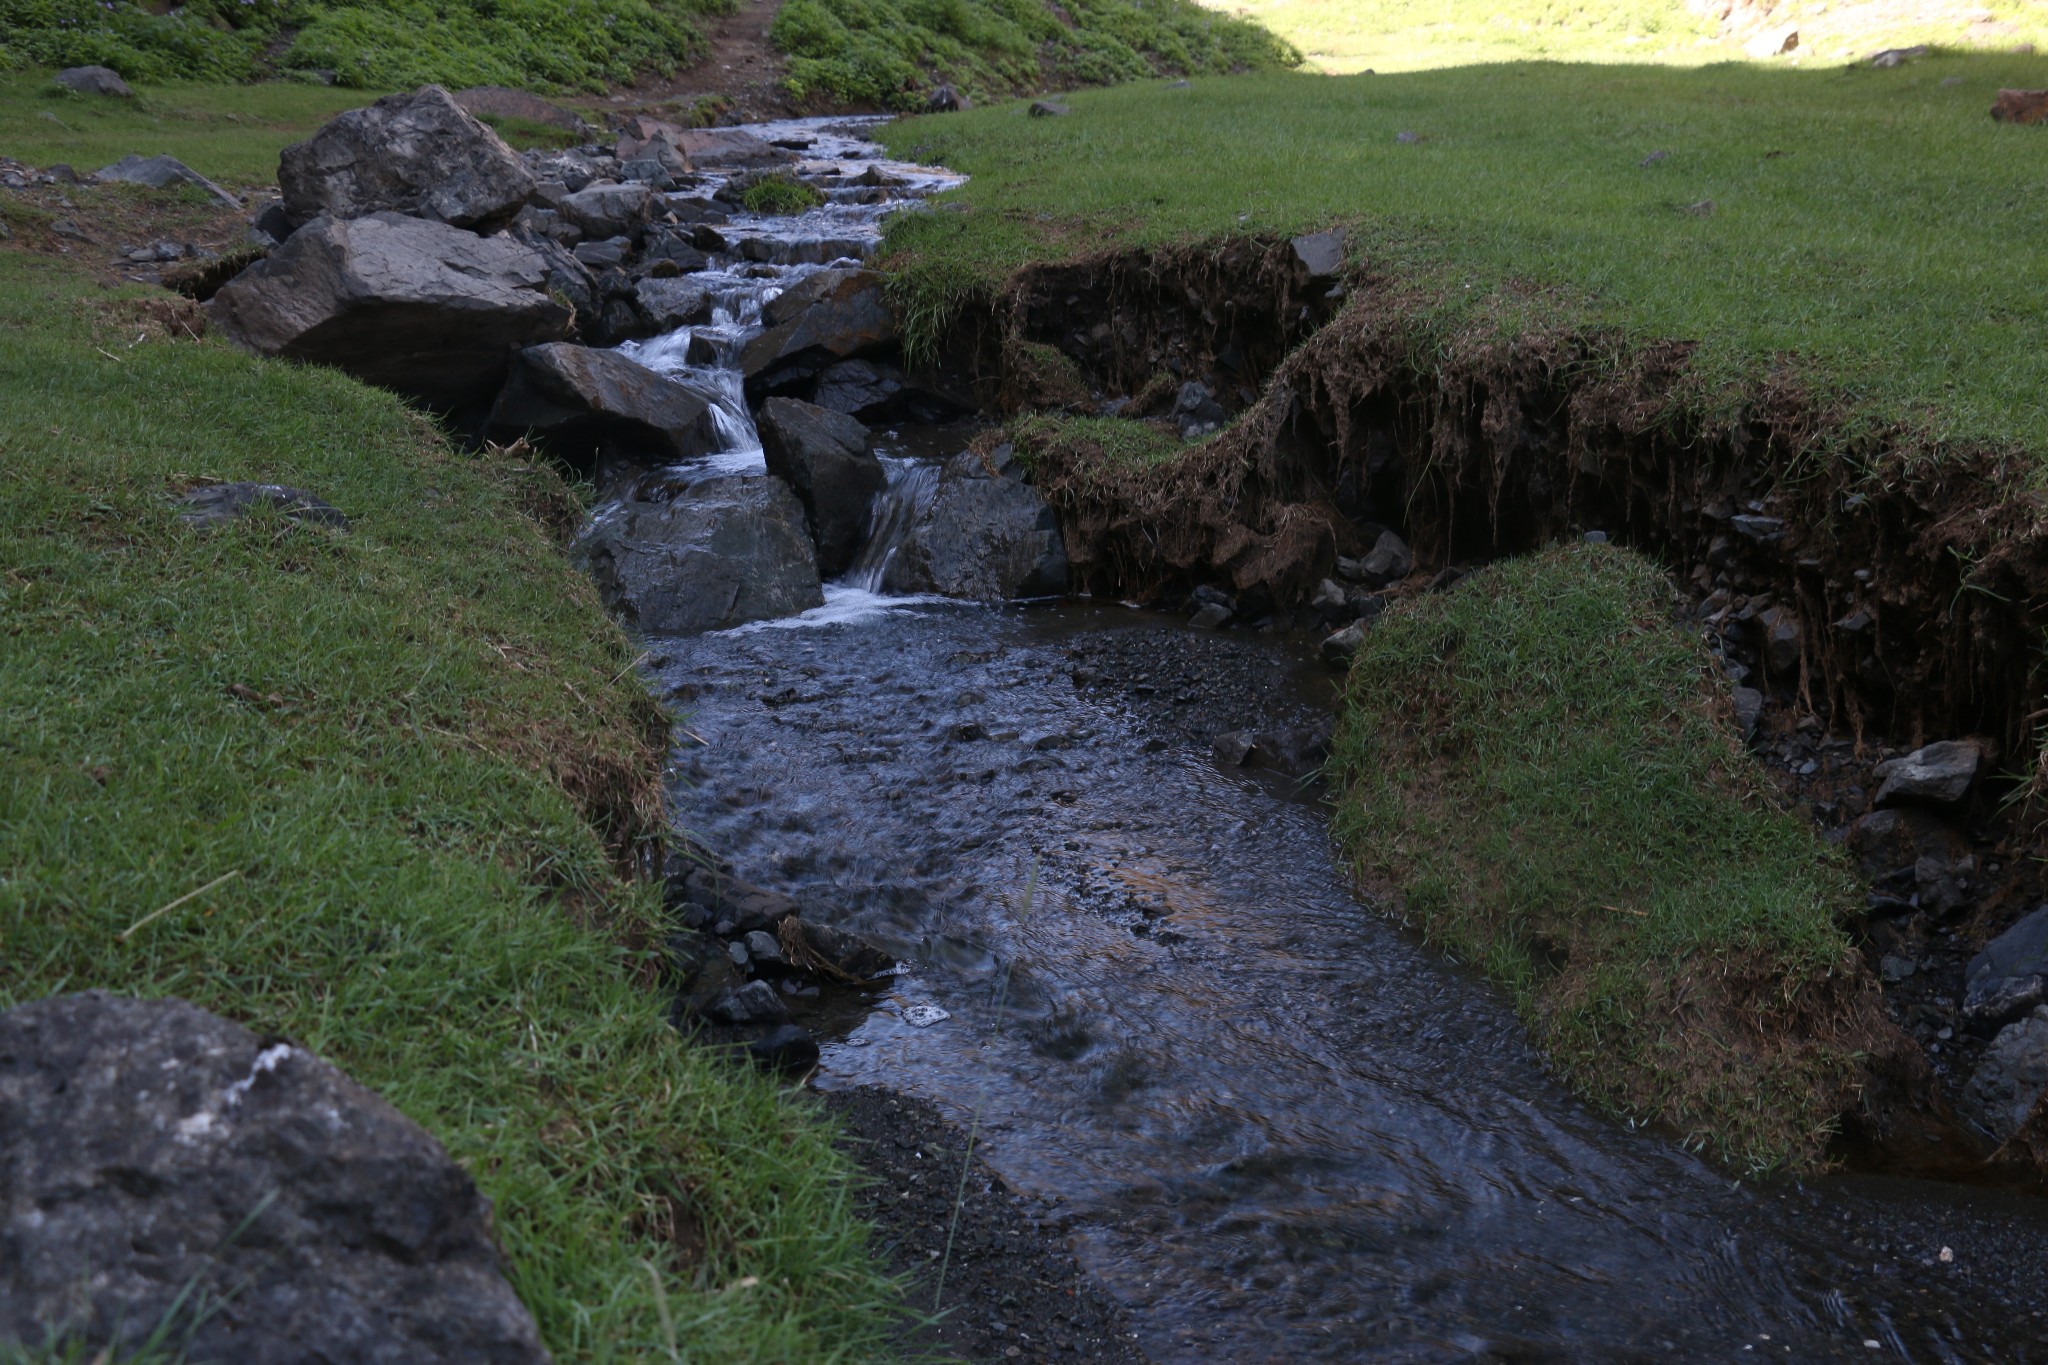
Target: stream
{"x":1274,"y":1124}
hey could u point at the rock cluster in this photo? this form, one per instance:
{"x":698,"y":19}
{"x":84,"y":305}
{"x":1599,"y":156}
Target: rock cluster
{"x":742,"y":957}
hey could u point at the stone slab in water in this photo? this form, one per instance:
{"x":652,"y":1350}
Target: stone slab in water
{"x":150,"y":1151}
{"x":987,"y":535}
{"x":825,"y":457}
{"x":720,"y":553}
{"x":586,"y":404}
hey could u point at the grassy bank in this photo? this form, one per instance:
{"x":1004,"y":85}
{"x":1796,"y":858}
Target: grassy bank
{"x":889,"y":52}
{"x":1531,"y":767}
{"x":1346,"y":36}
{"x":369,"y":44}
{"x":1868,"y":233}
{"x":417,"y":751}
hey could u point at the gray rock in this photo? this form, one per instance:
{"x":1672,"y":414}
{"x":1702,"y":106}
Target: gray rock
{"x":1938,"y":774}
{"x":754,"y":1003}
{"x":612,"y":251}
{"x":1196,"y":411}
{"x":720,"y":553}
{"x":94,"y":80}
{"x":762,"y":947}
{"x":1761,"y":528}
{"x":1321,"y":254}
{"x":673,"y":244}
{"x":827,"y":317}
{"x":1782,"y":637}
{"x":1332,"y":601}
{"x":1047,"y":109}
{"x":567,"y":278}
{"x":151,"y":1152}
{"x":866,"y":389}
{"x":590,"y":404}
{"x":160,"y":173}
{"x":1749,"y":707}
{"x":2010,"y":977}
{"x":1388,"y":560}
{"x":1340,"y":649}
{"x":420,"y":154}
{"x":730,"y":149}
{"x":826,"y":458}
{"x":2011,"y":1077}
{"x":609,"y":209}
{"x":669,"y":304}
{"x":425,"y":309}
{"x":221,"y":503}
{"x":746,"y":906}
{"x":1210,"y":616}
{"x":986,"y":535}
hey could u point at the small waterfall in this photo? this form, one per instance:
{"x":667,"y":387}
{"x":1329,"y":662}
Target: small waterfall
{"x":897,"y":508}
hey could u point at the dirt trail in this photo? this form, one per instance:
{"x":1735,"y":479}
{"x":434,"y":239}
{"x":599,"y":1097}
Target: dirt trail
{"x":740,"y":65}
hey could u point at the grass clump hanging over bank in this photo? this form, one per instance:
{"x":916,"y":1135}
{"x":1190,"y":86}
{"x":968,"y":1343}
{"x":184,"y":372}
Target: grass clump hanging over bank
{"x":1865,"y":234}
{"x":370,"y":44}
{"x":890,"y":52}
{"x":1533,"y":768}
{"x":417,"y":750}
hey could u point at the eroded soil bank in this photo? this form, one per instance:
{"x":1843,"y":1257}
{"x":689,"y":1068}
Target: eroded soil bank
{"x":1868,"y":594}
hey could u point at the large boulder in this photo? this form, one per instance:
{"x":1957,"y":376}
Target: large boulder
{"x":588,"y":405}
{"x":161,"y":1165}
{"x":425,"y":309}
{"x":987,"y":535}
{"x":825,"y":457}
{"x":712,"y":554}
{"x":94,"y":80}
{"x":420,"y":154}
{"x":1936,"y":774}
{"x":824,"y":318}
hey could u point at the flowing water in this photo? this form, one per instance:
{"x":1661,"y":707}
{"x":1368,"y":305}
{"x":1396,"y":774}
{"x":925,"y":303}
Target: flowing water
{"x":1275,"y":1125}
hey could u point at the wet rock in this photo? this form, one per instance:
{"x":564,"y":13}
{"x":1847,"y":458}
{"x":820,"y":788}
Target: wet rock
{"x":945,"y":99}
{"x":832,"y":954}
{"x":826,"y":458}
{"x":1757,"y":527}
{"x":154,"y":1158}
{"x":1210,"y":616}
{"x":664,"y":305}
{"x":986,"y":535}
{"x":1332,"y":601}
{"x":644,"y":138}
{"x":588,"y":404}
{"x":609,"y":209}
{"x":566,"y":276}
{"x":866,"y":389}
{"x":94,"y":80}
{"x":422,"y":308}
{"x":2011,"y":1078}
{"x":664,"y":243}
{"x":784,"y":1048}
{"x":1297,"y":752}
{"x":1782,"y":640}
{"x":1233,"y":750}
{"x":754,"y":1003}
{"x":221,"y":503}
{"x":1320,"y":254}
{"x":1340,"y":649}
{"x":719,"y":553}
{"x":2020,"y":106}
{"x":763,"y":950}
{"x":828,"y":317}
{"x":1939,"y":774}
{"x":420,"y":154}
{"x":499,"y":101}
{"x":2010,"y":977}
{"x":1389,"y":559}
{"x":160,"y":173}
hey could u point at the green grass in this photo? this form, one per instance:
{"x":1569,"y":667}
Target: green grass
{"x":1086,"y":447}
{"x":1530,"y":763}
{"x":780,"y":194}
{"x":1345,"y":36}
{"x":371,"y":44}
{"x":231,"y":133}
{"x":1873,"y":234}
{"x":891,"y":52}
{"x":420,"y":747}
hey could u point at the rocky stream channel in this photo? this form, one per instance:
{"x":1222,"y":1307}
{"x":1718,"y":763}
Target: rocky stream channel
{"x":1003,"y":865}
{"x":1118,"y":956}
